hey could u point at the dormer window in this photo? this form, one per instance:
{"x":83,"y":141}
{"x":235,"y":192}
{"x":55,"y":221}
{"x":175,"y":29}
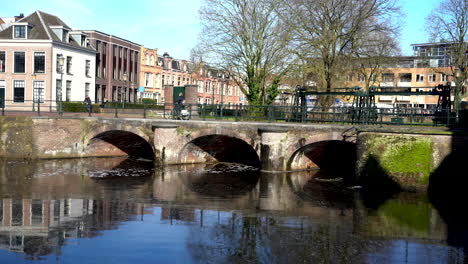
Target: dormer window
{"x":20,"y":32}
{"x":61,"y":33}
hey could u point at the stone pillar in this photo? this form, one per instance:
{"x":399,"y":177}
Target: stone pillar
{"x":273,"y":148}
{"x":166,"y":144}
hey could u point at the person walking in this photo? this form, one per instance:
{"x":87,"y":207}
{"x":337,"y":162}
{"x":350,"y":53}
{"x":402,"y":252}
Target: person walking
{"x":180,"y":102}
{"x":87,"y":102}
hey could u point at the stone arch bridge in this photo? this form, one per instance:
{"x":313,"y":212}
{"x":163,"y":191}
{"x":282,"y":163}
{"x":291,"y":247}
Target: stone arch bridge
{"x":274,"y":147}
{"x":411,"y":154}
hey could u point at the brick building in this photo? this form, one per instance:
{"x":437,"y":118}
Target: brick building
{"x":151,"y":75}
{"x":117,"y":67}
{"x":216,"y":86}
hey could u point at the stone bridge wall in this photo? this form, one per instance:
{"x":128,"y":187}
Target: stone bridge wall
{"x":274,"y":144}
{"x":407,"y":156}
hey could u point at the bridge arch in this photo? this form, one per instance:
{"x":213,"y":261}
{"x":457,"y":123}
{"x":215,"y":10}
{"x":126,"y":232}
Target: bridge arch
{"x":335,"y":156}
{"x":219,"y":148}
{"x":116,"y":142}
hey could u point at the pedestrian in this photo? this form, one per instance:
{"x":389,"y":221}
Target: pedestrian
{"x":180,"y":102}
{"x":87,"y":102}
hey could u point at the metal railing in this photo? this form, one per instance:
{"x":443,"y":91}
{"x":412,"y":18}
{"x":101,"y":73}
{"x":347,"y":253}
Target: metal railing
{"x":236,"y":112}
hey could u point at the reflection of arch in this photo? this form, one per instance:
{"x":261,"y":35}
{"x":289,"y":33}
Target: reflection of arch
{"x":330,"y":155}
{"x":219,"y":148}
{"x":128,"y":143}
{"x":305,"y":185}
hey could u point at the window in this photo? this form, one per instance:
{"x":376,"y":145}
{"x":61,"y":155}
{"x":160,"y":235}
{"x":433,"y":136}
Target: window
{"x":58,"y":87}
{"x":38,"y":91}
{"x":17,"y":213}
{"x":88,"y":68}
{"x":388,"y":77}
{"x":87,"y":86}
{"x":36,"y":212}
{"x":431,"y":77}
{"x":178,"y":81}
{"x":19,"y":62}
{"x":419,"y":77}
{"x":200,"y":100}
{"x":443,"y":77}
{"x":68,"y":92}
{"x":2,"y":61}
{"x":18,"y":91}
{"x":361,"y":77}
{"x":229,"y":90}
{"x":20,"y":32}
{"x":69,"y":65}
{"x":39,"y":62}
{"x":200,"y":86}
{"x":163,"y":81}
{"x":405,"y":77}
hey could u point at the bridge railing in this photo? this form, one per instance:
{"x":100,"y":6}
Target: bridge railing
{"x":234,"y":112}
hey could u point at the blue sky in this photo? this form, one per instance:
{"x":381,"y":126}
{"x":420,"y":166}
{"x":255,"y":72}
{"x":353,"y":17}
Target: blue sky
{"x":171,"y":25}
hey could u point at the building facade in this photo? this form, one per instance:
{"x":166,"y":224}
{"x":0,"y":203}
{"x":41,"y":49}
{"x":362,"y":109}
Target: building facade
{"x":117,"y":67}
{"x":429,"y":67}
{"x":42,"y":61}
{"x":151,"y":75}
{"x":216,"y":86}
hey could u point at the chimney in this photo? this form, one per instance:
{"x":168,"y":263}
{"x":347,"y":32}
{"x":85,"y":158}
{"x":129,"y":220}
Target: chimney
{"x":19,"y":17}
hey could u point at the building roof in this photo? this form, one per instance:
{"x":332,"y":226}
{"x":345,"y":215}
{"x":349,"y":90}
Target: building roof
{"x":40,"y":28}
{"x":432,"y":44}
{"x":111,"y":36}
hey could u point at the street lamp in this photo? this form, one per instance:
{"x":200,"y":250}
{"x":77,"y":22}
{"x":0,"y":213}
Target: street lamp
{"x":125,"y":89}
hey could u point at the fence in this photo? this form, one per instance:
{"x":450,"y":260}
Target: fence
{"x":236,"y":113}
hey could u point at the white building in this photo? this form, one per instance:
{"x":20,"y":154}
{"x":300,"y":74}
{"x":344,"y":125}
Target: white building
{"x":30,"y":49}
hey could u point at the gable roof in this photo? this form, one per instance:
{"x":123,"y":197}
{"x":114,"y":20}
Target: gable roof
{"x":40,"y":28}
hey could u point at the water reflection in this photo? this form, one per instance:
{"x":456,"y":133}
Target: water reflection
{"x":53,"y":210}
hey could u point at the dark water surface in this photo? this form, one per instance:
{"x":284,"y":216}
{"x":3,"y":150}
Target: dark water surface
{"x":123,"y":211}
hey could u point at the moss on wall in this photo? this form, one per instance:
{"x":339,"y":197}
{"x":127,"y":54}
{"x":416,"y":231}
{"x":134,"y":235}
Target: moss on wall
{"x":407,"y":159}
{"x":16,"y":137}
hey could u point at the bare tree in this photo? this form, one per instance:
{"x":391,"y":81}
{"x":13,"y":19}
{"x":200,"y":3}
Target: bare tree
{"x":449,"y":23}
{"x":246,"y":38}
{"x":375,"y":51}
{"x":328,"y":31}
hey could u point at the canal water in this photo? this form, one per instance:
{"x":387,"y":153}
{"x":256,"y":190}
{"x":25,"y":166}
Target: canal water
{"x":115,"y":210}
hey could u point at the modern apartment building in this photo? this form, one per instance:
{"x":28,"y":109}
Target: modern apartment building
{"x":429,"y":67}
{"x":117,"y":67}
{"x":42,"y":61}
{"x":151,"y":75}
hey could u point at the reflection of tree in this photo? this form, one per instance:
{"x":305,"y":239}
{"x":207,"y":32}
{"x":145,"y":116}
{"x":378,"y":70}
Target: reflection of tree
{"x":263,"y":239}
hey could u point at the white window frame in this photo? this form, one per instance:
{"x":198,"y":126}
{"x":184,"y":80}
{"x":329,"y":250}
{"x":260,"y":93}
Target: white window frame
{"x":419,"y":77}
{"x":443,"y":77}
{"x":431,"y":77}
{"x":4,"y":65}
{"x":25,"y":31}
{"x":42,"y":95}
{"x":13,"y":91}
{"x":14,"y":62}
{"x":67,"y":93}
{"x":34,"y":62}
{"x":87,"y":89}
